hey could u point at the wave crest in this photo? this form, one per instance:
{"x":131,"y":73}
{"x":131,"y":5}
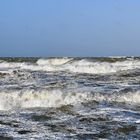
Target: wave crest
{"x":74,"y":65}
{"x":56,"y":98}
{"x":53,"y":61}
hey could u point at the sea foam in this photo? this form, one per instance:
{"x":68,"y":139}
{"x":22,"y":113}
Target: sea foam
{"x":56,"y":98}
{"x":75,"y":66}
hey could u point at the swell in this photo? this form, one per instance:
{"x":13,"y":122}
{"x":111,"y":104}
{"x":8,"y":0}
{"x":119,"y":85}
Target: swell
{"x":56,"y":98}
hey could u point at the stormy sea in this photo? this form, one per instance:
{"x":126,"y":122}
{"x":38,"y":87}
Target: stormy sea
{"x":69,"y":98}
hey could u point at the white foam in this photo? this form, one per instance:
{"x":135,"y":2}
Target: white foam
{"x":31,"y":98}
{"x":76,"y":66}
{"x":84,"y":66}
{"x":53,"y":61}
{"x":56,"y":98}
{"x":131,"y":97}
{"x":102,"y":67}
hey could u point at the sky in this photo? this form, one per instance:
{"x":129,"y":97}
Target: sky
{"x":69,"y":28}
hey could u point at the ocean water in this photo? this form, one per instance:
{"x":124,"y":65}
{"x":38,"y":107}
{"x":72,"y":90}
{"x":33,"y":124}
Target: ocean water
{"x":70,"y":98}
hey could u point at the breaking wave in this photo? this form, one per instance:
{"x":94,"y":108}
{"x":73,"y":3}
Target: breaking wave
{"x":31,"y":99}
{"x":84,"y":66}
{"x":56,"y":98}
{"x":74,"y":65}
{"x":53,"y":61}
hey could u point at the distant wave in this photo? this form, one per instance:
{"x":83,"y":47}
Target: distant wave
{"x":90,"y":66}
{"x":53,"y":61}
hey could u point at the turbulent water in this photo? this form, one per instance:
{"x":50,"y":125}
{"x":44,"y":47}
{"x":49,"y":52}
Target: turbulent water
{"x":70,"y":98}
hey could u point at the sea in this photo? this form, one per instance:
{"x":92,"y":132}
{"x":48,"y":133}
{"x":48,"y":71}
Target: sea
{"x":66,"y":98}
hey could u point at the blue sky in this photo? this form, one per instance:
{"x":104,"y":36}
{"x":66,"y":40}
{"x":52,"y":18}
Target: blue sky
{"x":69,"y":27}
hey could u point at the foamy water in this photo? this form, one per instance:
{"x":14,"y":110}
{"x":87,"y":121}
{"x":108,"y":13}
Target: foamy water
{"x":72,"y":65}
{"x":70,"y":98}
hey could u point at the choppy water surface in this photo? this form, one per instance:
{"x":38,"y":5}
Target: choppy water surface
{"x":70,"y":98}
